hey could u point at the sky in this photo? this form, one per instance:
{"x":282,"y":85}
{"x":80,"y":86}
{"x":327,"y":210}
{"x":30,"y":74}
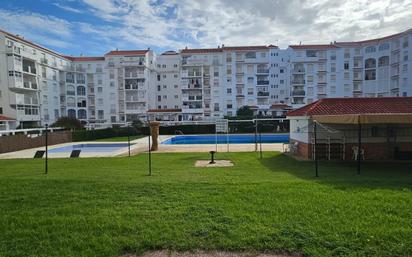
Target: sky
{"x":94,"y":27}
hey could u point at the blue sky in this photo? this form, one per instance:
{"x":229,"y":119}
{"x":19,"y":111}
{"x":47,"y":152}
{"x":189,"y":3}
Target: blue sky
{"x":93,"y":27}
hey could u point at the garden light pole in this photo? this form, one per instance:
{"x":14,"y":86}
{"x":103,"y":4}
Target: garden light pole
{"x":128,"y":137}
{"x":150,"y":150}
{"x":46,"y":165}
{"x":315,"y":151}
{"x":359,"y":144}
{"x":260,"y":141}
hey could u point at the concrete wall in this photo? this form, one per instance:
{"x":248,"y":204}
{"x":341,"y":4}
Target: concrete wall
{"x":21,"y":142}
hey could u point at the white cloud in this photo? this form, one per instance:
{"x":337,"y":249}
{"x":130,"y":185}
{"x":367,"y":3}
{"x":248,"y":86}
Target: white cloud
{"x":241,"y":22}
{"x":47,"y":30}
{"x":174,"y":24}
{"x":68,"y":8}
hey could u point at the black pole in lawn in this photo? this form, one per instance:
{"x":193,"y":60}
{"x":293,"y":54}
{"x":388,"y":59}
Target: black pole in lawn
{"x":315,"y":149}
{"x":128,"y":137}
{"x":260,"y":141}
{"x":150,"y":150}
{"x":256,"y":129}
{"x":46,"y":164}
{"x":359,"y":144}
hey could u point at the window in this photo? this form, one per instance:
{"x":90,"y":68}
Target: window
{"x":310,"y":53}
{"x":81,"y":90}
{"x":159,"y":98}
{"x":346,"y":75}
{"x":250,"y":55}
{"x":370,"y":74}
{"x":384,"y":46}
{"x":333,"y":67}
{"x":216,"y":73}
{"x":333,"y":77}
{"x":159,"y":88}
{"x":370,"y":63}
{"x":281,"y":70}
{"x":346,"y":65}
{"x":383,"y":61}
{"x":175,"y":76}
{"x":370,"y":49}
{"x":229,"y":91}
{"x":263,"y":55}
{"x":1,"y":110}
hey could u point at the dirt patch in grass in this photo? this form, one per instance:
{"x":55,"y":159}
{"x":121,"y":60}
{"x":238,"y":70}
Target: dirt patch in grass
{"x":218,"y":163}
{"x":166,"y":253}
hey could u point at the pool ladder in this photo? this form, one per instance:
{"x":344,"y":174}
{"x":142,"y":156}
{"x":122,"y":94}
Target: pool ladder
{"x":178,"y":132}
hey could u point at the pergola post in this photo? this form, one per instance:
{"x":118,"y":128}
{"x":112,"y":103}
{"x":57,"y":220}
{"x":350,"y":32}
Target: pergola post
{"x":359,"y":144}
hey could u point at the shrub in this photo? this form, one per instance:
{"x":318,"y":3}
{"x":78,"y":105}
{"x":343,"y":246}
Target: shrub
{"x":68,"y":123}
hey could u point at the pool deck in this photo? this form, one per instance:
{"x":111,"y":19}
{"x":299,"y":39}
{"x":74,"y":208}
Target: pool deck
{"x":141,"y":145}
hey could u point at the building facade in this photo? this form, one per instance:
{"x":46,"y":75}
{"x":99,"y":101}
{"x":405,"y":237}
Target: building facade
{"x":38,"y":85}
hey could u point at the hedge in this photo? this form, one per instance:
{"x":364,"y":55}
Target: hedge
{"x":88,"y":135}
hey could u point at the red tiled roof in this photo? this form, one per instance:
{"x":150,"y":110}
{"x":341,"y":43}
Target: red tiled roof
{"x":165,"y":110}
{"x":170,"y":53}
{"x":84,"y":58}
{"x":245,"y":48}
{"x":3,"y":118}
{"x":280,"y":106}
{"x":313,"y":47}
{"x":342,"y":106}
{"x":127,"y":52}
{"x":200,"y":50}
{"x":225,"y":48}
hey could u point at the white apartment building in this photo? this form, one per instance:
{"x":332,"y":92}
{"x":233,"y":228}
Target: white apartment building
{"x":38,"y":85}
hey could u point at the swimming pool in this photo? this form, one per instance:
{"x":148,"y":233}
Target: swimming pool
{"x":90,"y":148}
{"x":223,"y":139}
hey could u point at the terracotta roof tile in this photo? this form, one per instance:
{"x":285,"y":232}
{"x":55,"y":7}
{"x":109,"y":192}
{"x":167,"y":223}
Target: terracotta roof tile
{"x":3,"y":118}
{"x":245,"y":48}
{"x":200,"y":50}
{"x":313,"y":47}
{"x":127,"y":52}
{"x":342,"y":106}
{"x":84,"y":58}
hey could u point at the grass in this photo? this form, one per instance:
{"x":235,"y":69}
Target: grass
{"x":118,"y":139}
{"x":110,"y":207}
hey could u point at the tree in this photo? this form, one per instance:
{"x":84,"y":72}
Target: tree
{"x":245,"y":112}
{"x":68,"y":123}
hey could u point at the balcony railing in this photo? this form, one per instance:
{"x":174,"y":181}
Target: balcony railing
{"x":298,"y":93}
{"x":263,"y":82}
{"x":262,"y":71}
{"x":298,"y":81}
{"x":263,"y":94}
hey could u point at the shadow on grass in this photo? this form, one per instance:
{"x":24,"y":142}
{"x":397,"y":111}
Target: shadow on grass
{"x":343,"y":174}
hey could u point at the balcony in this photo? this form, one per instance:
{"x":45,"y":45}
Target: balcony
{"x":298,"y":93}
{"x":263,"y":82}
{"x":192,"y":109}
{"x":43,"y":61}
{"x":29,"y":69}
{"x":262,"y":94}
{"x":298,"y":81}
{"x":262,"y":71}
{"x":30,"y":85}
{"x":298,"y":71}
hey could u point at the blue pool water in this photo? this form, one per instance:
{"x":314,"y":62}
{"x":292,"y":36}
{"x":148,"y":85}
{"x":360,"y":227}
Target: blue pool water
{"x":222,"y":139}
{"x":90,"y":148}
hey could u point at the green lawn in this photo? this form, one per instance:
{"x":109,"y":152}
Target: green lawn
{"x":118,"y":139}
{"x":110,"y":207}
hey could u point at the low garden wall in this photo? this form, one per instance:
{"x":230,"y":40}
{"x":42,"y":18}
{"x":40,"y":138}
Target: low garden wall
{"x":20,"y":142}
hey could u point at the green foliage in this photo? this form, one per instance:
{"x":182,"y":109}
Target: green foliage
{"x":90,"y":135}
{"x":110,"y":207}
{"x":68,"y":123}
{"x":245,"y":112}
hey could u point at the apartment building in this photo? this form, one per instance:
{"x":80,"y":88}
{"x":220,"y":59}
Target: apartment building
{"x":38,"y":85}
{"x":372,"y":68}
